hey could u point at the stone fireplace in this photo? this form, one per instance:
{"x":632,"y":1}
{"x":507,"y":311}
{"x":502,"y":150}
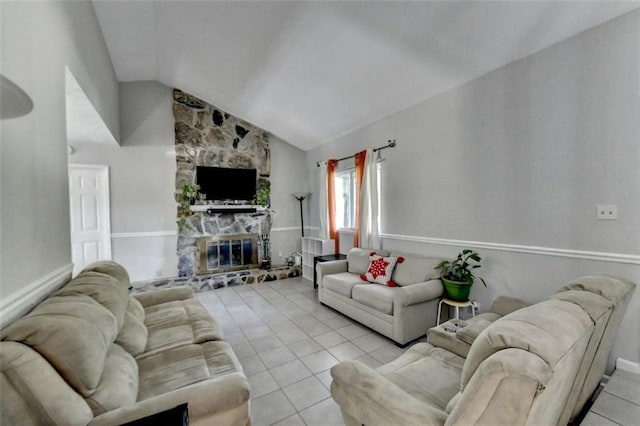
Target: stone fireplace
{"x":227,"y":253}
{"x":210,"y":240}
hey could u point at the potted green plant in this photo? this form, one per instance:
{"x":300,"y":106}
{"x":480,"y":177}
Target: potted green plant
{"x":263,"y":195}
{"x":186,"y":198}
{"x":457,"y":275}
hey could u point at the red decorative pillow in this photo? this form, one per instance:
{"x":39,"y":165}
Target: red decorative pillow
{"x":380,"y":269}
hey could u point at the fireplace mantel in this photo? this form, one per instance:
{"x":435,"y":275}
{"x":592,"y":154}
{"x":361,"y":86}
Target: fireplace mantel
{"x":227,"y":208}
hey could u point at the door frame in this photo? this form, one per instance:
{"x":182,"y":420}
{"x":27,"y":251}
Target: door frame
{"x":105,"y":197}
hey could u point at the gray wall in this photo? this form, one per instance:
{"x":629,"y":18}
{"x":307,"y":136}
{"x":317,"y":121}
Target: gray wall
{"x":517,"y":160}
{"x":38,"y":40}
{"x":288,"y":175}
{"x":142,"y":178}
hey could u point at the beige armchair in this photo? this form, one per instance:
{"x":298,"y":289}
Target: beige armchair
{"x":533,"y":366}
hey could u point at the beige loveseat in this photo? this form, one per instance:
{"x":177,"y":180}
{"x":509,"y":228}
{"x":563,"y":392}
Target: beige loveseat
{"x":402,"y":313}
{"x":537,"y":365}
{"x":91,"y":354}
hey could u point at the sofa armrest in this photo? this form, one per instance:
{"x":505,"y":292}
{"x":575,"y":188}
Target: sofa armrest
{"x":331,"y":267}
{"x":503,"y":305}
{"x":165,"y":295}
{"x":373,"y":399}
{"x":417,"y":293}
{"x":205,"y":398}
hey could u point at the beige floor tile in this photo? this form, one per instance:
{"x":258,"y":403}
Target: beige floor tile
{"x":304,"y":347}
{"x":353,"y":331}
{"x":346,"y":350}
{"x":264,"y":344}
{"x":325,"y":378}
{"x":262,"y":383}
{"x":271,"y":408}
{"x":337,"y":322}
{"x":324,"y":413}
{"x":243,"y":350}
{"x":292,"y":335}
{"x":294,"y":420}
{"x":330,"y":339}
{"x":386,"y":353}
{"x":319,"y":361}
{"x":370,"y":342}
{"x":252,"y":365}
{"x":369,"y":361}
{"x":306,"y":392}
{"x":290,"y":372}
{"x":277,"y":356}
{"x":616,"y":409}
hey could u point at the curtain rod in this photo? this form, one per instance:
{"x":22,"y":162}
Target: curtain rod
{"x":391,"y":143}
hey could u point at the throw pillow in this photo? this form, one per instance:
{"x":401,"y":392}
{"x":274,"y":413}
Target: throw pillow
{"x":380,"y":269}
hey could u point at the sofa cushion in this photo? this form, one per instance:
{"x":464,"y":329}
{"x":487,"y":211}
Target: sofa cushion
{"x":415,"y":269}
{"x":377,"y":297}
{"x":73,"y":333}
{"x":110,"y":268}
{"x":475,"y":326}
{"x":135,"y":308}
{"x":133,"y":334}
{"x":427,"y":373}
{"x":547,"y":329}
{"x":341,"y":283}
{"x":119,"y":382}
{"x":33,"y":393}
{"x":178,"y":323}
{"x":179,"y":367}
{"x":611,"y":288}
{"x":104,"y":289}
{"x":358,"y":259}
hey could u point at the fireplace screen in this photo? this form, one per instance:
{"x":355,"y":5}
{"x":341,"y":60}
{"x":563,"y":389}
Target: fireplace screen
{"x":227,"y":252}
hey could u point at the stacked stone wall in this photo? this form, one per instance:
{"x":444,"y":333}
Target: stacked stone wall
{"x":207,"y":136}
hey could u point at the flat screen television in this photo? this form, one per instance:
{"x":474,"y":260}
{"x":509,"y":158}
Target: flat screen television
{"x":226,"y":184}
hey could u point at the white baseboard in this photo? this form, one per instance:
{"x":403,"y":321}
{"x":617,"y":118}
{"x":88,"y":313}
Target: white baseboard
{"x":22,"y":301}
{"x":143,"y":234}
{"x":626,"y":365}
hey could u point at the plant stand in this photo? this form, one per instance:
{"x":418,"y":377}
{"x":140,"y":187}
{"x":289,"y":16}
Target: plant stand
{"x":457,"y":305}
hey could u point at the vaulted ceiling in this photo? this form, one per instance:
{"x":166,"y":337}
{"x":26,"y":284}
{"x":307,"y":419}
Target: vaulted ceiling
{"x":310,"y":71}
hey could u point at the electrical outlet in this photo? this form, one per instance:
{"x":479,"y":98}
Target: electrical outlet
{"x":607,"y":212}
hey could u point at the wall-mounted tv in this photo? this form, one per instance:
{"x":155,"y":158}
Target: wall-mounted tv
{"x":226,"y":184}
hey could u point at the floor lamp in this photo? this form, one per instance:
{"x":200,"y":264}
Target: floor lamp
{"x":300,"y":196}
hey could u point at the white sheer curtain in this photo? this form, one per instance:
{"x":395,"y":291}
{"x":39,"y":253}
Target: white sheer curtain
{"x":369,"y":222}
{"x":322,"y":202}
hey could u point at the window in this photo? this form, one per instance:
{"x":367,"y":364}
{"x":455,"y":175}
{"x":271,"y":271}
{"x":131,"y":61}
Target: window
{"x":345,"y":187}
{"x":345,"y":193}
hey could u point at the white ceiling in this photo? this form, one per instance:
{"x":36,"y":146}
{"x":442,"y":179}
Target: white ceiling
{"x":311,"y":71}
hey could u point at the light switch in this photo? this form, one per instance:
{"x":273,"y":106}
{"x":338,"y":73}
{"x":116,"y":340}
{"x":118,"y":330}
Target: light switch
{"x":607,"y":212}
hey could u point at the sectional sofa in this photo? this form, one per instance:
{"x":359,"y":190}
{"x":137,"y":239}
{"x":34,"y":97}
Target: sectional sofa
{"x":91,"y":354}
{"x":537,"y":365}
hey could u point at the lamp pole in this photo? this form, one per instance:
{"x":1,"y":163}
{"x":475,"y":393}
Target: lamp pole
{"x":300,"y":197}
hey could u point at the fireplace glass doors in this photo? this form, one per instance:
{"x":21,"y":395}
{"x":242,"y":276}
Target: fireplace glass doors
{"x":227,"y":253}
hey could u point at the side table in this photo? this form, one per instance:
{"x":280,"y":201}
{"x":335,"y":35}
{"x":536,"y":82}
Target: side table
{"x":457,"y":305}
{"x":325,"y":258}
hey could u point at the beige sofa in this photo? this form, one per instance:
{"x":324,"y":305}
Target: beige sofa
{"x":90,"y":354}
{"x":534,"y":366}
{"x":402,"y":313}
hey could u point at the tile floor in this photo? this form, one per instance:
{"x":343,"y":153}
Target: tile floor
{"x":287,"y":342}
{"x":618,"y":403}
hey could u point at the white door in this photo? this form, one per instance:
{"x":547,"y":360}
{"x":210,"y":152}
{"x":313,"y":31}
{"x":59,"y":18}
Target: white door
{"x":90,"y":220}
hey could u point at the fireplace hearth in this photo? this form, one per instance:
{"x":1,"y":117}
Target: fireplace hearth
{"x":223,"y":253}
